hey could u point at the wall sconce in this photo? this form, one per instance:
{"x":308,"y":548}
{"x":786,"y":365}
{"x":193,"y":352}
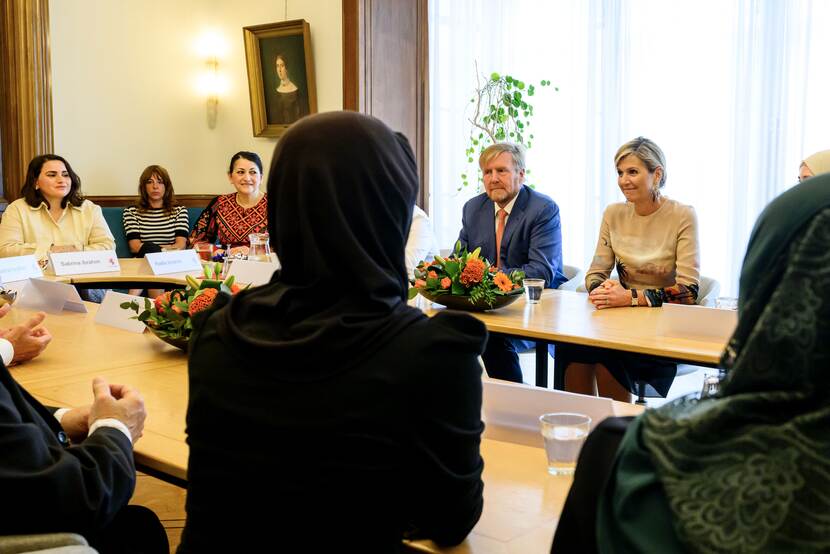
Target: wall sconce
{"x":210,"y":47}
{"x":212,"y":91}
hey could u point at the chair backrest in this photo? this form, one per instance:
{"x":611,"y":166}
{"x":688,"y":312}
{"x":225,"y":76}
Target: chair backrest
{"x":113,"y":217}
{"x":575,"y":277}
{"x":193,"y":214}
{"x":708,"y":291}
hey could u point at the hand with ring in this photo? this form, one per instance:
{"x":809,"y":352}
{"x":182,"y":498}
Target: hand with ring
{"x":610,"y":294}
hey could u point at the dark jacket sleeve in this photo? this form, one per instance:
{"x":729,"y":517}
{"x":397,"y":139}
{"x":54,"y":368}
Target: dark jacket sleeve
{"x":49,"y":487}
{"x":447,"y":450}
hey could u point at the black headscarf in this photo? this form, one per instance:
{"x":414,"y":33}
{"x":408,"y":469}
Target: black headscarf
{"x":340,"y":195}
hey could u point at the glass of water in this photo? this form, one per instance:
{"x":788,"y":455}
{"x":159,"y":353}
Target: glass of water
{"x":533,"y":290}
{"x":564,"y":434}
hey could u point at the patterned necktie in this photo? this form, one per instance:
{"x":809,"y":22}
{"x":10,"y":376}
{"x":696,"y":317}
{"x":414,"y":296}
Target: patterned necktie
{"x":502,"y":216}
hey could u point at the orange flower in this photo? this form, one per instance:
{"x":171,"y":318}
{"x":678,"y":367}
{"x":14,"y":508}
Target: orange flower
{"x":445,"y":283}
{"x":473,"y":272}
{"x":432,"y":275}
{"x":161,"y":301}
{"x":493,"y":269}
{"x":420,"y":283}
{"x":203,"y":301}
{"x":503,"y":282}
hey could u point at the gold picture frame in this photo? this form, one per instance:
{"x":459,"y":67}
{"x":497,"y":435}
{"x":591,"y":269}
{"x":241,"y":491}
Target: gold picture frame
{"x":280,"y":75}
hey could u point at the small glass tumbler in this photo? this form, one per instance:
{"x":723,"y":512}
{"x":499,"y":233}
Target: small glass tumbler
{"x":204,"y":250}
{"x":726,"y":303}
{"x":533,"y":290}
{"x":564,"y":434}
{"x":711,"y":386}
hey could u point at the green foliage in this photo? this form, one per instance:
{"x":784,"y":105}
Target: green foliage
{"x":502,"y":113}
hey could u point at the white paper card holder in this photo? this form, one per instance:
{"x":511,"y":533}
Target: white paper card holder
{"x":111,"y":313}
{"x":255,"y":273}
{"x":173,"y":261}
{"x":19,"y":268}
{"x":88,"y":261}
{"x":696,"y":322}
{"x":50,"y":296}
{"x":519,"y":406}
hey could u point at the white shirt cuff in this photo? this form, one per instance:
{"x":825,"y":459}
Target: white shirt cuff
{"x":6,"y":352}
{"x":113,"y":423}
{"x":60,"y":412}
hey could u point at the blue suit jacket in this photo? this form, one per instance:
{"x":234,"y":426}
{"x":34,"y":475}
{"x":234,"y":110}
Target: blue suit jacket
{"x":532,"y":239}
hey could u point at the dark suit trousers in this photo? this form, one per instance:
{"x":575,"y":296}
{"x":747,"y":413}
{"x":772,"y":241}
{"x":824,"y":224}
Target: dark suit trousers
{"x":501,"y":358}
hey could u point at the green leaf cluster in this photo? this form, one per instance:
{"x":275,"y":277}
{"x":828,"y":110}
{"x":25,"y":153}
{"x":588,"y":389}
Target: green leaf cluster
{"x":503,"y":112}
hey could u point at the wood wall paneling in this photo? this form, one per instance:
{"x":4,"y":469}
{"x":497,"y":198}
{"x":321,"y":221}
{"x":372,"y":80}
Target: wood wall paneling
{"x":119,"y":201}
{"x":385,"y":68}
{"x":25,"y":89}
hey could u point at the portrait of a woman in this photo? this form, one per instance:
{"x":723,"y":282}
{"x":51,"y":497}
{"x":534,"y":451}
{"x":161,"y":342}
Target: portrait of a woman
{"x":288,"y":103}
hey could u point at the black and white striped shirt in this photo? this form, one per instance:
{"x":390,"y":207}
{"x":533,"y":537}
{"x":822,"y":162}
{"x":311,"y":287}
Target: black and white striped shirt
{"x":154,"y":225}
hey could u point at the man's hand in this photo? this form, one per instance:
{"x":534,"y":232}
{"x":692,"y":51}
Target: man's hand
{"x":76,"y":423}
{"x":28,"y":339}
{"x":120,"y":402}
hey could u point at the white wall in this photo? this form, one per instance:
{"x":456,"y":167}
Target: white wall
{"x":124,"y":86}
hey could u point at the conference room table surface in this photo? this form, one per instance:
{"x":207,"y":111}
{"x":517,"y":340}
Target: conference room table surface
{"x":568,"y":317}
{"x":522,"y":501}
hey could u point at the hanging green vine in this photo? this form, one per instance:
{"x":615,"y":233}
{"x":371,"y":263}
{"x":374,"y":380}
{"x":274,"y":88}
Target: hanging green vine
{"x":502,"y":113}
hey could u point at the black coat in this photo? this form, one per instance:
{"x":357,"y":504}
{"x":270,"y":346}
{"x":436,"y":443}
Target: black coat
{"x":49,"y":486}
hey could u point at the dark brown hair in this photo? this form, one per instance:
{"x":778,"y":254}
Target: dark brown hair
{"x":34,"y":197}
{"x":169,"y":198}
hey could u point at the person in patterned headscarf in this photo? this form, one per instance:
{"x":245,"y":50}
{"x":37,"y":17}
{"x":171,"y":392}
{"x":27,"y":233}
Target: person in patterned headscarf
{"x":749,"y":469}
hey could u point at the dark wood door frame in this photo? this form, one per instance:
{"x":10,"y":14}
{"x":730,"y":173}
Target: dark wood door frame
{"x":377,"y":35}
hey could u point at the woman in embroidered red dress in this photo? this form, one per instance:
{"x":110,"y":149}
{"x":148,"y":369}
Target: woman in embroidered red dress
{"x":230,"y":218}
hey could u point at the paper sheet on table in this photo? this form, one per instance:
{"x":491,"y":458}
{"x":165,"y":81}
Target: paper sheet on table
{"x":50,"y":296}
{"x":696,"y":322}
{"x":111,"y":313}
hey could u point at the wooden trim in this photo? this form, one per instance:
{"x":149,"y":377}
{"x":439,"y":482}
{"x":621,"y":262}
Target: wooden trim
{"x":25,"y":89}
{"x":119,"y":201}
{"x":351,"y":41}
{"x":422,"y":139}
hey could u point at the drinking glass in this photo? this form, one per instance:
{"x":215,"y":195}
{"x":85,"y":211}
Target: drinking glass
{"x":204,"y":250}
{"x":533,"y":290}
{"x":564,"y":435}
{"x":259,"y":251}
{"x":726,"y":303}
{"x":711,"y":385}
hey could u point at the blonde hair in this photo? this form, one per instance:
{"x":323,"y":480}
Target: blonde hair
{"x":648,"y":152}
{"x":516,"y":151}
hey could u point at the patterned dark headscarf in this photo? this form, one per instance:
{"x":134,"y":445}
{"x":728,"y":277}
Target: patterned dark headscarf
{"x":749,"y":471}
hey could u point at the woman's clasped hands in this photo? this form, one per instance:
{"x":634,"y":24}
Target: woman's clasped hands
{"x":610,"y":294}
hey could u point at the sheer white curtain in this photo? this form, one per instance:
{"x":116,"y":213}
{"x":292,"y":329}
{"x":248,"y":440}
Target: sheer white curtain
{"x":735,"y":93}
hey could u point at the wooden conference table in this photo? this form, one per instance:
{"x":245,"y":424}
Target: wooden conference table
{"x":522,"y":502}
{"x":568,"y":317}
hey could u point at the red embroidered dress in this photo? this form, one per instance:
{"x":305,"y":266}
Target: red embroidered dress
{"x":225,"y":222}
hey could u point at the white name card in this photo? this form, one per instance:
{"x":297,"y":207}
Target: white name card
{"x":173,"y":261}
{"x":111,"y":313}
{"x":50,"y":296}
{"x":255,"y":273}
{"x":698,"y":322}
{"x":19,"y":268}
{"x":88,"y":261}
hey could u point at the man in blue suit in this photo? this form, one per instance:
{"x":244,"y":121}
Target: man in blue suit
{"x":520,"y":228}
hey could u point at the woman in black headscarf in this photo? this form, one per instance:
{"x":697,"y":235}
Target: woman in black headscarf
{"x":747,"y":470}
{"x":351,"y":417}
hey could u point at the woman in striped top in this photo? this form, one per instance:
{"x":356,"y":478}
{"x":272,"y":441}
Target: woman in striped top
{"x":155,"y":221}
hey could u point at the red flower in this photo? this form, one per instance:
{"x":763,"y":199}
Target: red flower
{"x":503,"y":282}
{"x":473,"y":272}
{"x":432,"y":275}
{"x":161,"y":301}
{"x":445,"y":283}
{"x":202,"y":301}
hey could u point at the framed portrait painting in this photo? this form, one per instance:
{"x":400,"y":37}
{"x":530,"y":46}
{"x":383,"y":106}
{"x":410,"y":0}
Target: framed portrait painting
{"x":280,"y":75}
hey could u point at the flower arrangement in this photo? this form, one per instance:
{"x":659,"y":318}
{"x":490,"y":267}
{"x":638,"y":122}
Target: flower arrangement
{"x":169,"y":315}
{"x":465,"y":274}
